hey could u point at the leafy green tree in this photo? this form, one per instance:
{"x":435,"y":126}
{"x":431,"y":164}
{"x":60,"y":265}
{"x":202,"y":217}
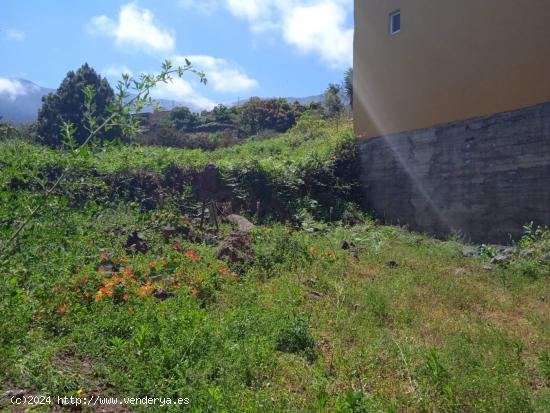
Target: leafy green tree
{"x":333,"y":104}
{"x":221,"y":114}
{"x":275,"y":114}
{"x":68,"y":104}
{"x":348,"y":85}
{"x":183,"y":119}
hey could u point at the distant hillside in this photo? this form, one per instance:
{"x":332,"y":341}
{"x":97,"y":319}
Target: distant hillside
{"x":20,"y":99}
{"x":304,"y":100}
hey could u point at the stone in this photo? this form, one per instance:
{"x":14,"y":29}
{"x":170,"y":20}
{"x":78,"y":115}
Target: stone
{"x":391,"y":264}
{"x":162,"y":294}
{"x":136,"y":242}
{"x":236,"y":249}
{"x":528,"y":253}
{"x":457,"y":178}
{"x":500,"y":259}
{"x":240,"y":222}
{"x":344,"y":245}
{"x":469,"y":252}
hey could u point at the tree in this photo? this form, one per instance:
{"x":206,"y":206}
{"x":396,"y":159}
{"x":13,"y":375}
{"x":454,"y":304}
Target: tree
{"x":274,"y":114}
{"x":68,"y":104}
{"x":348,"y":85}
{"x":333,"y":104}
{"x":183,"y":119}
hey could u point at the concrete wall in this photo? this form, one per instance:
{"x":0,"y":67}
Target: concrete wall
{"x":452,"y":60}
{"x":482,"y":178}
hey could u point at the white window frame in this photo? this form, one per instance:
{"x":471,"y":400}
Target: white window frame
{"x":392,"y":15}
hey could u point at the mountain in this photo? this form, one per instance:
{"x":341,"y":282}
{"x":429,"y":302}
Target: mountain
{"x":20,"y":99}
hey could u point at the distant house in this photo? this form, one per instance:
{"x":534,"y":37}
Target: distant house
{"x":451,"y":103}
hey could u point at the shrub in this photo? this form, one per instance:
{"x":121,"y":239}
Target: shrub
{"x":295,"y":337}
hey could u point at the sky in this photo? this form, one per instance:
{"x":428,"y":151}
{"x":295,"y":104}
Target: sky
{"x":266,"y":48}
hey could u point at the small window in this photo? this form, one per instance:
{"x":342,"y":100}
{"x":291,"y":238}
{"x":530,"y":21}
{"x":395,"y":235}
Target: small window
{"x":395,"y":22}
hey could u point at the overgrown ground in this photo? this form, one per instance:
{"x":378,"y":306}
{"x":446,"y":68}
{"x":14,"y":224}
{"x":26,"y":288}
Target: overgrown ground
{"x":396,"y":322}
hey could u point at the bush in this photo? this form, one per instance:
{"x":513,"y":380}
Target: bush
{"x":295,"y":337}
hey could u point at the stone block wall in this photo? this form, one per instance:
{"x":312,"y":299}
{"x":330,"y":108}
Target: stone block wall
{"x":482,"y":178}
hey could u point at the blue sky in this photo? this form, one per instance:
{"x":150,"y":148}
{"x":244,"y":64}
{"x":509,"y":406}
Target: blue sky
{"x":246,"y":47}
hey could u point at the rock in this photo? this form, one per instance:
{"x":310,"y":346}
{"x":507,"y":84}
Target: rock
{"x":391,"y":264}
{"x":136,"y":242}
{"x":158,"y":278}
{"x":235,"y":249}
{"x":106,"y":269}
{"x":211,"y":239}
{"x":354,"y":255}
{"x":344,"y":245}
{"x":169,"y":232}
{"x":316,"y":295}
{"x":16,"y":393}
{"x":162,"y":294}
{"x":488,"y":268}
{"x":242,"y":223}
{"x":500,"y":259}
{"x":528,"y":253}
{"x":546,"y":258}
{"x":469,"y":252}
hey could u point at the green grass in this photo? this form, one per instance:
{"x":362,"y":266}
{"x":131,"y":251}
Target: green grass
{"x":304,"y":327}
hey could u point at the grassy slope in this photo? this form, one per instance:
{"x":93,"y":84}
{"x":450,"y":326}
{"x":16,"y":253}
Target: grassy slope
{"x":304,"y":328}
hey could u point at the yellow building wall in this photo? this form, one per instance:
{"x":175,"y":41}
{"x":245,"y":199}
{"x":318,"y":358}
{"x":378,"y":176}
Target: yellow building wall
{"x":452,"y":60}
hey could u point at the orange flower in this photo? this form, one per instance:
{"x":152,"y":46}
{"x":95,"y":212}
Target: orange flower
{"x":98,"y":296}
{"x":131,"y":309}
{"x":198,"y":281}
{"x":85,"y":279}
{"x":100,"y":270}
{"x":118,"y":279}
{"x":178,"y":247}
{"x":59,"y":288}
{"x":106,"y":291}
{"x":61,"y":309}
{"x":125,"y":260}
{"x":127,"y":272}
{"x":145,"y":289}
{"x":87,"y":294}
{"x":90,"y":242}
{"x":235,"y":277}
{"x":314,"y":251}
{"x":104,"y":257}
{"x":37,"y":316}
{"x":192,"y":255}
{"x":195,"y":292}
{"x":152,"y":265}
{"x":125,"y":297}
{"x":224,"y":271}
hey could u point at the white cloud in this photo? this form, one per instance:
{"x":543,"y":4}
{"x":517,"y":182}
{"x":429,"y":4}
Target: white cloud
{"x":222,"y":75}
{"x":312,"y":26}
{"x":16,"y":35}
{"x":12,"y":88}
{"x":135,"y":28}
{"x":181,"y":91}
{"x":116,"y":71}
{"x":320,"y":28}
{"x":202,"y":6}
